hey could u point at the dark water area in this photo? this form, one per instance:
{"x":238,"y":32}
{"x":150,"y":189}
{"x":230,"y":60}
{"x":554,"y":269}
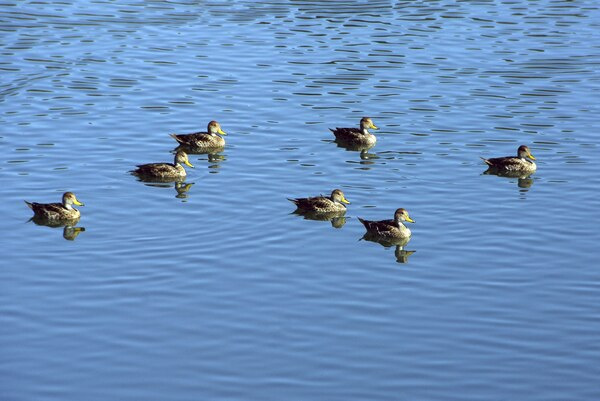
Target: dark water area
{"x":212,"y":288}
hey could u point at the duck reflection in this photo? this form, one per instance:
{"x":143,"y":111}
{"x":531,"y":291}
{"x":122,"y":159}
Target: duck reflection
{"x":366,"y":158}
{"x":181,"y":187}
{"x":337,"y":219}
{"x":400,"y":253}
{"x":214,"y":154}
{"x":70,"y":231}
{"x":524,"y":180}
{"x":363,"y":149}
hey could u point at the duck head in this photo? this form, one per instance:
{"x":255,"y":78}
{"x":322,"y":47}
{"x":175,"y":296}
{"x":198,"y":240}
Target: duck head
{"x":69,"y":199}
{"x":365,"y":124}
{"x":338,"y":196}
{"x":402,"y":215}
{"x":182,"y":158}
{"x":524,"y":152}
{"x":214,"y":128}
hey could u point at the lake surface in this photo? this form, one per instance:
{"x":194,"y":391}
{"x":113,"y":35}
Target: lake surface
{"x":216,"y":290}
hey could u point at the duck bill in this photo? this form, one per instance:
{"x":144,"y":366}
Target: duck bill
{"x":221,"y":132}
{"x":344,"y":200}
{"x":373,"y":126}
{"x":78,"y":203}
{"x":409,"y":219}
{"x":187,"y":163}
{"x":530,"y":156}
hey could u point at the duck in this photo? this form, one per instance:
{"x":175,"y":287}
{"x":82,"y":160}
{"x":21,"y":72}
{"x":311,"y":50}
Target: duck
{"x":322,"y":204}
{"x":389,"y":228}
{"x":208,"y":139}
{"x":163,"y":171}
{"x":512,"y":164}
{"x":356,"y":136}
{"x":56,"y":212}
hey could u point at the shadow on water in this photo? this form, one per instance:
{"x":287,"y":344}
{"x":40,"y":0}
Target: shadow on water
{"x":400,"y":253}
{"x":70,"y":231}
{"x":337,"y":219}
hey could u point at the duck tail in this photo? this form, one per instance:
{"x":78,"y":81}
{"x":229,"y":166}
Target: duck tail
{"x":295,"y":201}
{"x":174,"y":136}
{"x":364,"y":222}
{"x":486,"y":161}
{"x":29,"y":204}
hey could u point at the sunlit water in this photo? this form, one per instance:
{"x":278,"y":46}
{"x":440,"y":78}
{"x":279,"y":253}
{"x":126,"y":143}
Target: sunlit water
{"x":215,"y":290}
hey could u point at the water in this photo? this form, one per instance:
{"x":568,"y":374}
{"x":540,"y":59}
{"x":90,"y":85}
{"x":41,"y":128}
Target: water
{"x":220,"y":292}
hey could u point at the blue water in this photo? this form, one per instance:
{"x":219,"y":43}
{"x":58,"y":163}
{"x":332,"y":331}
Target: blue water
{"x":218,"y":291}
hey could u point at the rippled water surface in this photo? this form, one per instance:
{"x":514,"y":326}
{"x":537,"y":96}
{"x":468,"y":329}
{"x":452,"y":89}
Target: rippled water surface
{"x":213,"y":289}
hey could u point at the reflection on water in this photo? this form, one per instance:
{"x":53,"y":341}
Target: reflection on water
{"x":352,"y":147}
{"x":215,"y":156}
{"x":364,"y":150}
{"x":69,"y":232}
{"x":365,"y":155}
{"x":399,"y":244}
{"x":402,"y":255}
{"x":524,"y":180}
{"x":191,"y":150}
{"x":337,"y":219}
{"x":181,"y":187}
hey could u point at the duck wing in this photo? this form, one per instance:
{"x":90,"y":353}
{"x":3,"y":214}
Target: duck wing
{"x":189,"y":138}
{"x":378,"y":227}
{"x":345,"y":131}
{"x":314,"y":203}
{"x":46,"y":208}
{"x":155,"y":169}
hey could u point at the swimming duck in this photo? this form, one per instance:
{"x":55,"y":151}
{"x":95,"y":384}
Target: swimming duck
{"x":389,"y":228}
{"x":54,"y":212}
{"x":323,"y":204}
{"x":356,"y":136}
{"x":165,"y":170}
{"x":512,"y":164}
{"x":209,"y":139}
